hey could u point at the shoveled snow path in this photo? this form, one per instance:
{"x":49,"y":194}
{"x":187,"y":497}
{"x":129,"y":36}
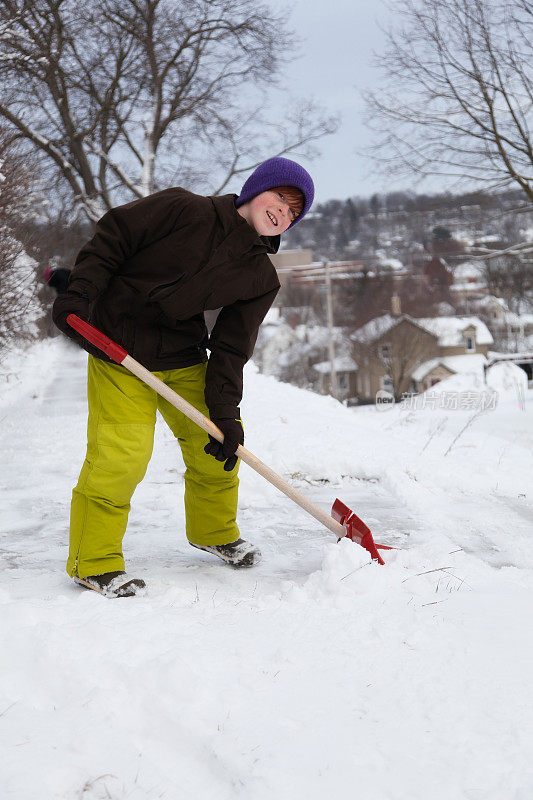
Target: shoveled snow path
{"x":314,"y":674}
{"x":43,"y":446}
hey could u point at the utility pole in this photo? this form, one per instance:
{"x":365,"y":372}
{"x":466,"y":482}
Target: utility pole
{"x":333,"y":373}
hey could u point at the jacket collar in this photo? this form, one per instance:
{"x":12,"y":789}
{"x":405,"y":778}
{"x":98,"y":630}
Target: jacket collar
{"x":240,"y":231}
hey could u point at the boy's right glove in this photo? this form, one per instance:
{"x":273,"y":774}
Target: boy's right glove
{"x":233,"y":437}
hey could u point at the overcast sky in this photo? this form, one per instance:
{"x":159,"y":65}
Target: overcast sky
{"x":340,"y":36}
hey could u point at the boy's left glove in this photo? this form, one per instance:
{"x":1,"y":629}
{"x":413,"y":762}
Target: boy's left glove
{"x":233,"y":437}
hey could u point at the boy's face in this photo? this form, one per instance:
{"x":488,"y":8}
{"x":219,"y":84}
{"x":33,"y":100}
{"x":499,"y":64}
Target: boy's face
{"x":268,"y":213}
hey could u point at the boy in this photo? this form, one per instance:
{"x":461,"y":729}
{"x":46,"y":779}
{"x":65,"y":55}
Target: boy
{"x":145,"y":279}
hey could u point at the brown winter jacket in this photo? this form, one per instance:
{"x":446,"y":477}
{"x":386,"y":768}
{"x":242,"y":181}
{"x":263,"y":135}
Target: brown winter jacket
{"x":155,"y":265}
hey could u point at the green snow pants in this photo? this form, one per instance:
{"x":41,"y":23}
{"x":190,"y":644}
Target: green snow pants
{"x":120,"y":436}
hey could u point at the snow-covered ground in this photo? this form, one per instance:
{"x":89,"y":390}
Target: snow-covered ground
{"x":316,"y":674}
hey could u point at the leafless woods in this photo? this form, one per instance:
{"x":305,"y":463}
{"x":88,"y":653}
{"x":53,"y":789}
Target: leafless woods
{"x":457,"y":92}
{"x":122,"y":97}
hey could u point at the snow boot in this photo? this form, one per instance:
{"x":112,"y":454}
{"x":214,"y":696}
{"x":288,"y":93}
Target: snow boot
{"x":238,"y":553}
{"x":113,"y":584}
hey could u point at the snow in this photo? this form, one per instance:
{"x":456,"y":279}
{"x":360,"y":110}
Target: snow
{"x":21,"y":307}
{"x":468,"y":270}
{"x":470,"y":287}
{"x":376,"y":328}
{"x":450,"y":330}
{"x":492,"y":238}
{"x":282,"y":346}
{"x":491,"y":300}
{"x":464,"y":363}
{"x":392,"y":263}
{"x":273,"y":317}
{"x":342,"y":364}
{"x":316,"y":674}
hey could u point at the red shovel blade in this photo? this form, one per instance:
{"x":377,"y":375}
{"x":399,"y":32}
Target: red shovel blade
{"x":357,"y":530}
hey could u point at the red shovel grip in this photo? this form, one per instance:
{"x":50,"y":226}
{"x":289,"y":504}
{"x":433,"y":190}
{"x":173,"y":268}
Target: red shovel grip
{"x":96,"y":337}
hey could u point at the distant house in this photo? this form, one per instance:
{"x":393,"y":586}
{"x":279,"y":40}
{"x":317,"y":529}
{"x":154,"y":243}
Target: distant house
{"x":402,"y":354}
{"x":513,"y":331}
{"x":436,"y":369}
{"x":437,"y":272}
{"x":346,"y":371}
{"x":448,"y":247}
{"x":458,"y":335}
{"x":469,"y":282}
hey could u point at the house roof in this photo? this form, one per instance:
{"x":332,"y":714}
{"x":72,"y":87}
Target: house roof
{"x":509,"y":317}
{"x":478,"y":286}
{"x":466,"y":363}
{"x":450,"y":330}
{"x":491,"y":299}
{"x":375,"y":328}
{"x":447,"y":330}
{"x":469,"y":269}
{"x":428,"y":366}
{"x":379,"y":326}
{"x":342,"y":364}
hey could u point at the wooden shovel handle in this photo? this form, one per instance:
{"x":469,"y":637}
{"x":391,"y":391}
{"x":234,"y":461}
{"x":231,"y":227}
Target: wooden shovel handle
{"x":244,"y":454}
{"x":120,"y":355}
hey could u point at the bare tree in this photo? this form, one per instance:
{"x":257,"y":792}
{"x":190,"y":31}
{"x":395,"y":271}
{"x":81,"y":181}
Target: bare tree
{"x":19,"y":306}
{"x":396,"y":353}
{"x":457,"y":98}
{"x":120,"y":96}
{"x":510,"y":276}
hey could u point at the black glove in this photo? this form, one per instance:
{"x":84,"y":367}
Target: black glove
{"x":58,"y":280}
{"x":73,"y":303}
{"x":70,"y":303}
{"x":233,"y":437}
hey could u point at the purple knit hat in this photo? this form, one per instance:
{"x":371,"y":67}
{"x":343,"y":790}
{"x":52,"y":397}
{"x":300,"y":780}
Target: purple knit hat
{"x":278,"y":172}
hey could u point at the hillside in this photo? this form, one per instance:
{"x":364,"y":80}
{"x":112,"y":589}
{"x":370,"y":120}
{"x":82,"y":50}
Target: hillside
{"x":310,"y":675}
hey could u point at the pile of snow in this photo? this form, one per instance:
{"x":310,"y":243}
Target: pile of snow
{"x":507,"y":378}
{"x":317,"y":671}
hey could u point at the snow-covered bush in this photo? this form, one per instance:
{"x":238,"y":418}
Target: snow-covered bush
{"x":290,"y":353}
{"x":20,"y":307}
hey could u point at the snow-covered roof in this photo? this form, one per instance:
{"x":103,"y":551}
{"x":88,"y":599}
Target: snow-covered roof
{"x":375,"y":328}
{"x":456,"y":364}
{"x":477,"y":286}
{"x":468,"y":269}
{"x":506,"y":315}
{"x":428,"y":366}
{"x":525,"y":354}
{"x":342,"y":364}
{"x":445,"y":309}
{"x":489,"y":238}
{"x":385,"y":261}
{"x":491,"y":299}
{"x":450,"y":330}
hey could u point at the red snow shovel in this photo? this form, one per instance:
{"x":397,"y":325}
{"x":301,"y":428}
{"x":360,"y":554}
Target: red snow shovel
{"x":342,"y":522}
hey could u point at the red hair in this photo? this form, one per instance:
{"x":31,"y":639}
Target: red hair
{"x":293,"y":196}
